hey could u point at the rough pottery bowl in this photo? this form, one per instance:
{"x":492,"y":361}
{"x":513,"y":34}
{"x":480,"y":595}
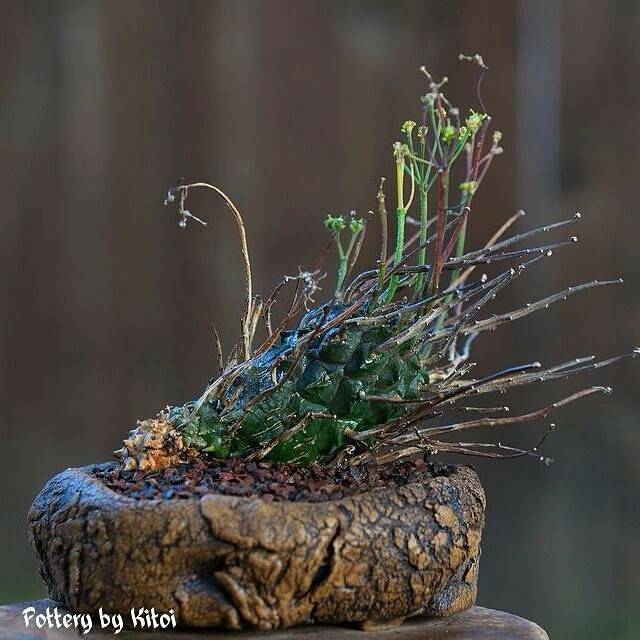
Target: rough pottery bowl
{"x":233,"y":562}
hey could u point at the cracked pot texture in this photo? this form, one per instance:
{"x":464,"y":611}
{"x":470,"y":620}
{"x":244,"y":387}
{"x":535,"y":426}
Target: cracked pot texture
{"x":244,"y":562}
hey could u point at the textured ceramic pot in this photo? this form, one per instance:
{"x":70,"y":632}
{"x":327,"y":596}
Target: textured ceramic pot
{"x":235,"y":562}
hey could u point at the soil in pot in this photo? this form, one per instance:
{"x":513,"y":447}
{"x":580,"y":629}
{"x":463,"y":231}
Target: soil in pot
{"x":267,"y":480}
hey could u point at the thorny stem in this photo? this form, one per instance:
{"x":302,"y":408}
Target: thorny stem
{"x":459,"y":280}
{"x":527,"y":417}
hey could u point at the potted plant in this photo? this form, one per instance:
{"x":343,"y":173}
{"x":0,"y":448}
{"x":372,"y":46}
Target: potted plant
{"x":301,"y":485}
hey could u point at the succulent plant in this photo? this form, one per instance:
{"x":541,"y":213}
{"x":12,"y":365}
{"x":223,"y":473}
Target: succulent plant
{"x":380,"y":371}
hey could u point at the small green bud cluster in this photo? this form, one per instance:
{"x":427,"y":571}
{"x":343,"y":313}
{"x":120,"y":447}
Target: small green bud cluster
{"x":449,"y":133}
{"x":334,"y":223}
{"x":337,"y":224}
{"x":469,"y":187}
{"x":400,"y":151}
{"x":475,"y":120}
{"x":356,"y":225}
{"x":429,"y":99}
{"x":408,"y":127}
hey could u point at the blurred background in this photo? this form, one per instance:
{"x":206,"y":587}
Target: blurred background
{"x":292,"y":107}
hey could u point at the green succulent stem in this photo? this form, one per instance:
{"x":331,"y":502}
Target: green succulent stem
{"x":356,"y":226}
{"x":400,"y":164}
{"x":382,"y":213}
{"x":460,"y":144}
{"x":343,"y":262}
{"x":337,"y":224}
{"x":423,"y":203}
{"x":422,"y":239}
{"x":401,"y":214}
{"x":435,"y":127}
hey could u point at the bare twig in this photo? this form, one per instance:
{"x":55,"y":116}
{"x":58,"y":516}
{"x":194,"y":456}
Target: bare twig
{"x":183,"y":191}
{"x":218,"y":347}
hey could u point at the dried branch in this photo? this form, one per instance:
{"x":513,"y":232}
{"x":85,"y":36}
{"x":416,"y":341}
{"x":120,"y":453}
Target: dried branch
{"x":218,"y":347}
{"x":183,"y":190}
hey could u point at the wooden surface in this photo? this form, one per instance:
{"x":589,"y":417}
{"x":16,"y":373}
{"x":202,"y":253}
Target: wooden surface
{"x":477,"y":623}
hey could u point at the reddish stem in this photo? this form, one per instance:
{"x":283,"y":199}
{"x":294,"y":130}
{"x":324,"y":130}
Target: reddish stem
{"x":462,"y":220}
{"x":475,"y":167}
{"x":478,"y":150}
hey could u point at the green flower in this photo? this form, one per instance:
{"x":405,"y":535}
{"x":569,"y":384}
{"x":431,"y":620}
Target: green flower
{"x":356,"y":224}
{"x":400,"y":151}
{"x":407,"y":127}
{"x":469,"y":187}
{"x":448,"y":133}
{"x":334,"y":223}
{"x":428,"y":99}
{"x":474,"y":121}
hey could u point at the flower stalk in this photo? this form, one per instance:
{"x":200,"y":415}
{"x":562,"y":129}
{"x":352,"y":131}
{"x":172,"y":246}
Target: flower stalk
{"x":337,"y":224}
{"x":400,"y":153}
